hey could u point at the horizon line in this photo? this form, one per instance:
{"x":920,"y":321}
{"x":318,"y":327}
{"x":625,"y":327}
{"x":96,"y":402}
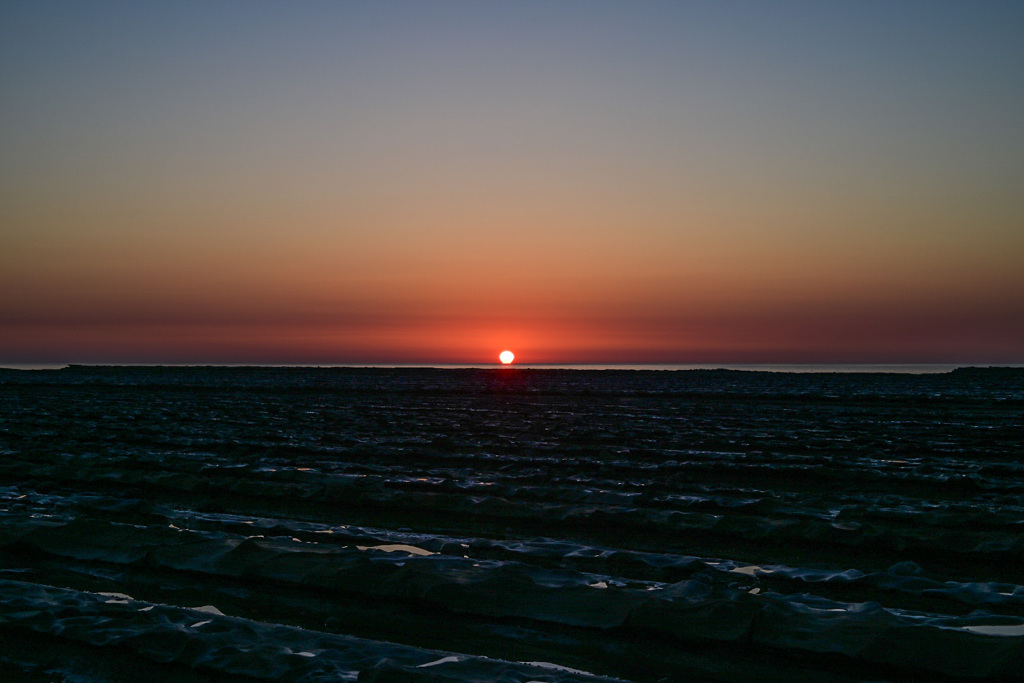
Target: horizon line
{"x":796,"y":368}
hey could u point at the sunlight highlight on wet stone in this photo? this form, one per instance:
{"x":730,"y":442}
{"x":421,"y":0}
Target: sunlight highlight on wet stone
{"x":997,"y":629}
{"x":397,"y":547}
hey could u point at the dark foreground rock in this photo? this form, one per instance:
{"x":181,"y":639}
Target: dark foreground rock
{"x":219,"y":524}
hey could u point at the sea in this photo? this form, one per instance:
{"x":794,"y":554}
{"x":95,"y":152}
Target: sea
{"x":817,"y":523}
{"x":900,"y":368}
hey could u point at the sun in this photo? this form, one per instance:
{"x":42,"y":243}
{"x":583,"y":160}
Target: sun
{"x":506,"y":357}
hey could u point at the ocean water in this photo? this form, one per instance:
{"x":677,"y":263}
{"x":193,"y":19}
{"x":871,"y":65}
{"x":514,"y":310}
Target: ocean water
{"x":900,"y":368}
{"x":515,"y":524}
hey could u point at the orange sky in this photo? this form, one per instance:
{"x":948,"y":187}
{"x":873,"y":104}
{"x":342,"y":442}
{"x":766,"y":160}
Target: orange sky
{"x":431,"y":183}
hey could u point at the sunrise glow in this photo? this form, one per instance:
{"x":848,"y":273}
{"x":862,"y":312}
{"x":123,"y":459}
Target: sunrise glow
{"x":662,"y":182}
{"x":506,"y":357}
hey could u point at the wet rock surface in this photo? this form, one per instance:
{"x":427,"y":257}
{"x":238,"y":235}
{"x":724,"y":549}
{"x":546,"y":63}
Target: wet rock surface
{"x":223,"y":524}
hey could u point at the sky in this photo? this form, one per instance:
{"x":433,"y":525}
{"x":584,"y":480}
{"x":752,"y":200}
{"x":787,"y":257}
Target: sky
{"x":578,"y":181}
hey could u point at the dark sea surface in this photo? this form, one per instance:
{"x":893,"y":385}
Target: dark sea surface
{"x":510,"y":524}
